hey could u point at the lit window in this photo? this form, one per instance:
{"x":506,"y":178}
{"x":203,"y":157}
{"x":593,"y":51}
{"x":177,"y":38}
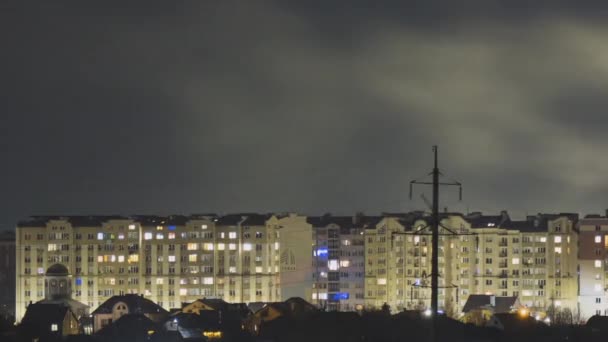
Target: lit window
{"x":183,"y":292}
{"x":323,"y":295}
{"x":543,"y":239}
{"x":183,"y":281}
{"x":344,"y":263}
{"x":232,"y":235}
{"x":276,"y":246}
{"x":232,"y":246}
{"x":192,"y":257}
{"x":208,"y":280}
{"x":160,"y":236}
{"x":121,"y":258}
{"x":52,"y":247}
{"x":247,"y":246}
{"x":597,"y":287}
{"x":204,"y":226}
{"x":314,"y":296}
{"x":148,"y":236}
{"x":131,"y":227}
{"x":171,"y":258}
{"x":192,"y":246}
{"x":557,"y":239}
{"x":100,"y":258}
{"x":333,"y":265}
{"x":323,"y":274}
{"x":558,"y":250}
{"x":159,"y":281}
{"x":112,"y":281}
{"x":558,"y":303}
{"x":598,"y":239}
{"x":515,"y":261}
{"x":221,"y":246}
{"x":222,"y":235}
{"x":54,"y":327}
{"x":381,"y":281}
{"x":598,"y":263}
{"x":208,"y":246}
{"x":346,"y":242}
{"x":40,"y":270}
{"x":171,"y":236}
{"x":113,"y":258}
{"x":232,"y":269}
{"x":133,"y":258}
{"x":258,"y":269}
{"x":159,"y":227}
{"x":99,"y":236}
{"x":416,"y":239}
{"x":121,"y":236}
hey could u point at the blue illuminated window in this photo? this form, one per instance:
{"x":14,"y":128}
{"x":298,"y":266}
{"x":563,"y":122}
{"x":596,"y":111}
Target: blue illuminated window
{"x":171,"y":227}
{"x":78,"y":281}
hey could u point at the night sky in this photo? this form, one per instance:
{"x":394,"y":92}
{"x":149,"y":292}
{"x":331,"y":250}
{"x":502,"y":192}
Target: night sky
{"x":222,"y":106}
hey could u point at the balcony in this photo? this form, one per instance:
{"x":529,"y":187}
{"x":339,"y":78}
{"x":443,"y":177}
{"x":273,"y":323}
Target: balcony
{"x":503,"y":243}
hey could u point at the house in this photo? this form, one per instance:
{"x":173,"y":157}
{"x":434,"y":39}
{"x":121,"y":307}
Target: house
{"x":47,"y":322}
{"x":513,"y":322}
{"x":598,"y":323}
{"x":292,"y":308}
{"x":131,"y":327}
{"x":117,"y":306}
{"x":480,"y":308}
{"x":191,"y":326}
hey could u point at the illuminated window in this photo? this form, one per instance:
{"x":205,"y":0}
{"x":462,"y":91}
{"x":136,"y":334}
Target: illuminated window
{"x":232,"y":269}
{"x":276,"y":246}
{"x":344,"y":263}
{"x":54,"y":327}
{"x":131,"y":227}
{"x":100,"y":258}
{"x":40,"y":270}
{"x":515,"y":261}
{"x":558,"y":303}
{"x":232,"y":235}
{"x":183,"y":292}
{"x":99,"y":236}
{"x":247,"y":246}
{"x":346,"y":242}
{"x":171,"y":236}
{"x":222,"y":235}
{"x":192,"y":257}
{"x":204,"y":226}
{"x":558,"y":250}
{"x":112,"y":281}
{"x":183,"y":281}
{"x":258,"y":269}
{"x":333,"y":265}
{"x":543,"y":239}
{"x":597,"y":287}
{"x":171,"y":258}
{"x":323,"y":274}
{"x":232,"y":246}
{"x":53,"y":247}
{"x":159,"y":227}
{"x":221,"y":246}
{"x":416,"y":239}
{"x":314,"y":296}
{"x":598,"y":239}
{"x":148,"y":236}
{"x":121,"y":258}
{"x":557,"y":239}
{"x":159,"y":281}
{"x":381,"y":281}
{"x":323,"y":295}
{"x":192,"y":246}
{"x":160,"y":236}
{"x":208,"y":246}
{"x":598,"y":263}
{"x":121,"y":236}
{"x":133,"y":258}
{"x":208,"y":280}
{"x":113,"y":258}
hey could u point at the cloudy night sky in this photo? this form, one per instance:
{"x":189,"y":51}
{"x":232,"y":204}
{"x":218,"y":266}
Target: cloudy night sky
{"x":307,"y":106}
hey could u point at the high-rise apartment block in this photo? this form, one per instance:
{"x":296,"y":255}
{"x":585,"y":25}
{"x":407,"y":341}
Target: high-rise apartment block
{"x":170,"y":260}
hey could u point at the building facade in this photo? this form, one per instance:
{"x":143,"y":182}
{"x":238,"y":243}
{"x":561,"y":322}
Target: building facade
{"x":593,"y":265}
{"x":169,"y":260}
{"x":7,"y":274}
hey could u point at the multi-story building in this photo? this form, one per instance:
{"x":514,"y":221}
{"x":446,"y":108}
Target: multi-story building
{"x":170,"y":259}
{"x":534,"y":259}
{"x":7,"y":274}
{"x":339,"y":262}
{"x":593,"y":265}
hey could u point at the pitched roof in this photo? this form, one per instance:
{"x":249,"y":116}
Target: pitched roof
{"x":57,"y":270}
{"x":501,"y":304}
{"x":135,"y":303}
{"x":129,"y":325}
{"x":39,"y":317}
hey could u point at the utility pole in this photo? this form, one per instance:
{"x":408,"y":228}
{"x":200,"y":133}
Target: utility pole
{"x":435,"y":223}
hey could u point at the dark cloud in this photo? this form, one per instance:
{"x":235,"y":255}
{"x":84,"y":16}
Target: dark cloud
{"x":312,"y":107}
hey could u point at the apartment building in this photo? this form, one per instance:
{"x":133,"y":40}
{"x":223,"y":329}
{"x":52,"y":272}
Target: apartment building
{"x":7,"y":274}
{"x":535,"y":259}
{"x":593,"y":265}
{"x":169,"y":260}
{"x":339,"y":262}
